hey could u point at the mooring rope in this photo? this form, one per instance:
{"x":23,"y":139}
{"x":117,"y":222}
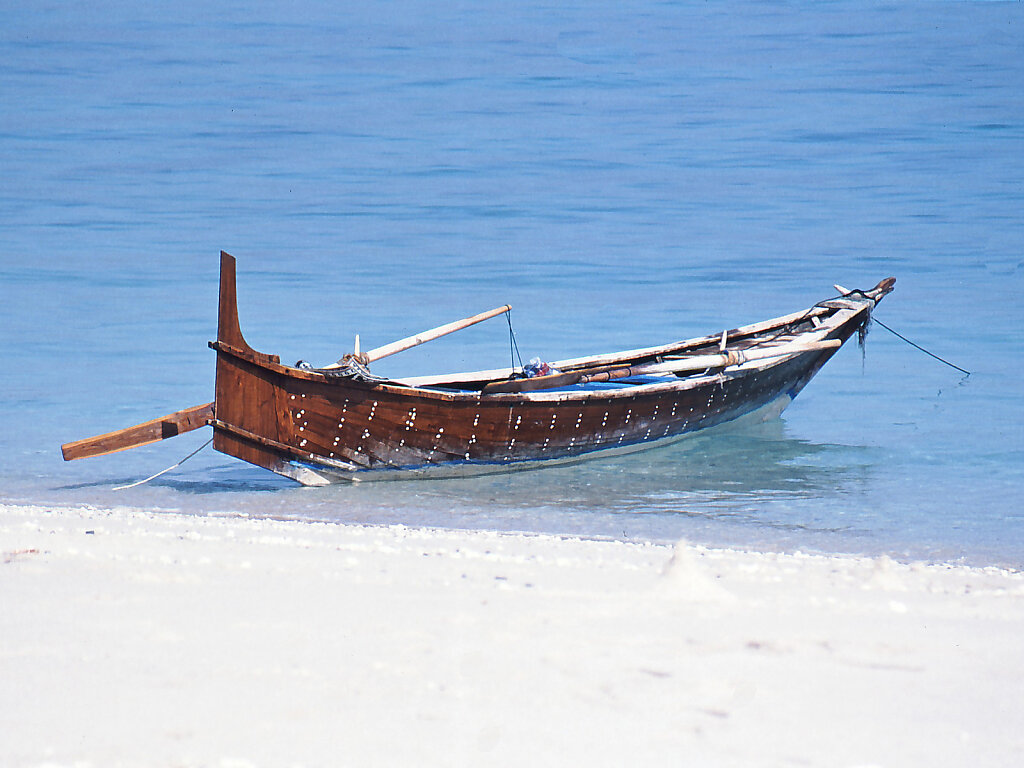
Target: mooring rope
{"x":164,"y":471}
{"x":862,"y":331}
{"x":918,"y":346}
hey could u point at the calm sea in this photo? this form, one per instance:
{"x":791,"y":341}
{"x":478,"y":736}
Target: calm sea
{"x":622,"y":173}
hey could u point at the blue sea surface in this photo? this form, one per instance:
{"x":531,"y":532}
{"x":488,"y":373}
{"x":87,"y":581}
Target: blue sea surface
{"x":623,"y":174}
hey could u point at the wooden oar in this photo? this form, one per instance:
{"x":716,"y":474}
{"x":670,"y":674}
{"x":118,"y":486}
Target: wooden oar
{"x":176,"y":423}
{"x":414,"y":341}
{"x":694,"y":363}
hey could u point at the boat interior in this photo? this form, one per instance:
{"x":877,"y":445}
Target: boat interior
{"x":786,"y":332}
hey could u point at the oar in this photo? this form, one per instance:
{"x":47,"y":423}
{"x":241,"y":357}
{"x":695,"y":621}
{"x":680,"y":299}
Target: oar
{"x":176,"y":423}
{"x":694,"y":363}
{"x":414,"y":341}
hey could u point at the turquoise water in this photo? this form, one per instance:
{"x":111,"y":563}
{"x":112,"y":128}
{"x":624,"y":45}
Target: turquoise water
{"x":622,"y":173}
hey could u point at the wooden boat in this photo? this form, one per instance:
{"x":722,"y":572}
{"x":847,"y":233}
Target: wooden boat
{"x":340,"y":422}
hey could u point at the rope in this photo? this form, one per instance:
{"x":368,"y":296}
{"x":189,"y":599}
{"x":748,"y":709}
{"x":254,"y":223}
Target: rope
{"x":918,"y":346}
{"x":164,"y":471}
{"x":513,"y":347}
{"x":863,"y":330}
{"x":350,"y":367}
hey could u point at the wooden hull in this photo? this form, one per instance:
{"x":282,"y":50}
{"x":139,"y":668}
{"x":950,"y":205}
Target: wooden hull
{"x":345,"y":430}
{"x":316,"y":428}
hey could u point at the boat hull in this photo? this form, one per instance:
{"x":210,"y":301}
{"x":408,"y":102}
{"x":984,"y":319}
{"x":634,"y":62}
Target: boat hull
{"x":341,"y":422}
{"x":318,"y":427}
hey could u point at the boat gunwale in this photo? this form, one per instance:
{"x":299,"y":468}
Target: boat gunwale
{"x":841,"y":315}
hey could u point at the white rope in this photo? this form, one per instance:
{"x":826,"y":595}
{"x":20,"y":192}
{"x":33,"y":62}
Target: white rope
{"x":164,"y":471}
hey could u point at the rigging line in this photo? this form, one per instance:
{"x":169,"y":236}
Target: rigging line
{"x":164,"y":471}
{"x":918,"y":346}
{"x":513,"y":347}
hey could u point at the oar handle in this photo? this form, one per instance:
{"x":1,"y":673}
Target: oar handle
{"x":736,"y":357}
{"x":434,"y":333}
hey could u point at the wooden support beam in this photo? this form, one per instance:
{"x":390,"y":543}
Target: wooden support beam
{"x":173,"y":424}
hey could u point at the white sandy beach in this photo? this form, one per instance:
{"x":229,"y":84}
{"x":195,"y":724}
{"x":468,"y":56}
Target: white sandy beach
{"x":134,"y":638}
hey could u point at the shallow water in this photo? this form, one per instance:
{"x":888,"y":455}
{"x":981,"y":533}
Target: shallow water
{"x":622,"y":174}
